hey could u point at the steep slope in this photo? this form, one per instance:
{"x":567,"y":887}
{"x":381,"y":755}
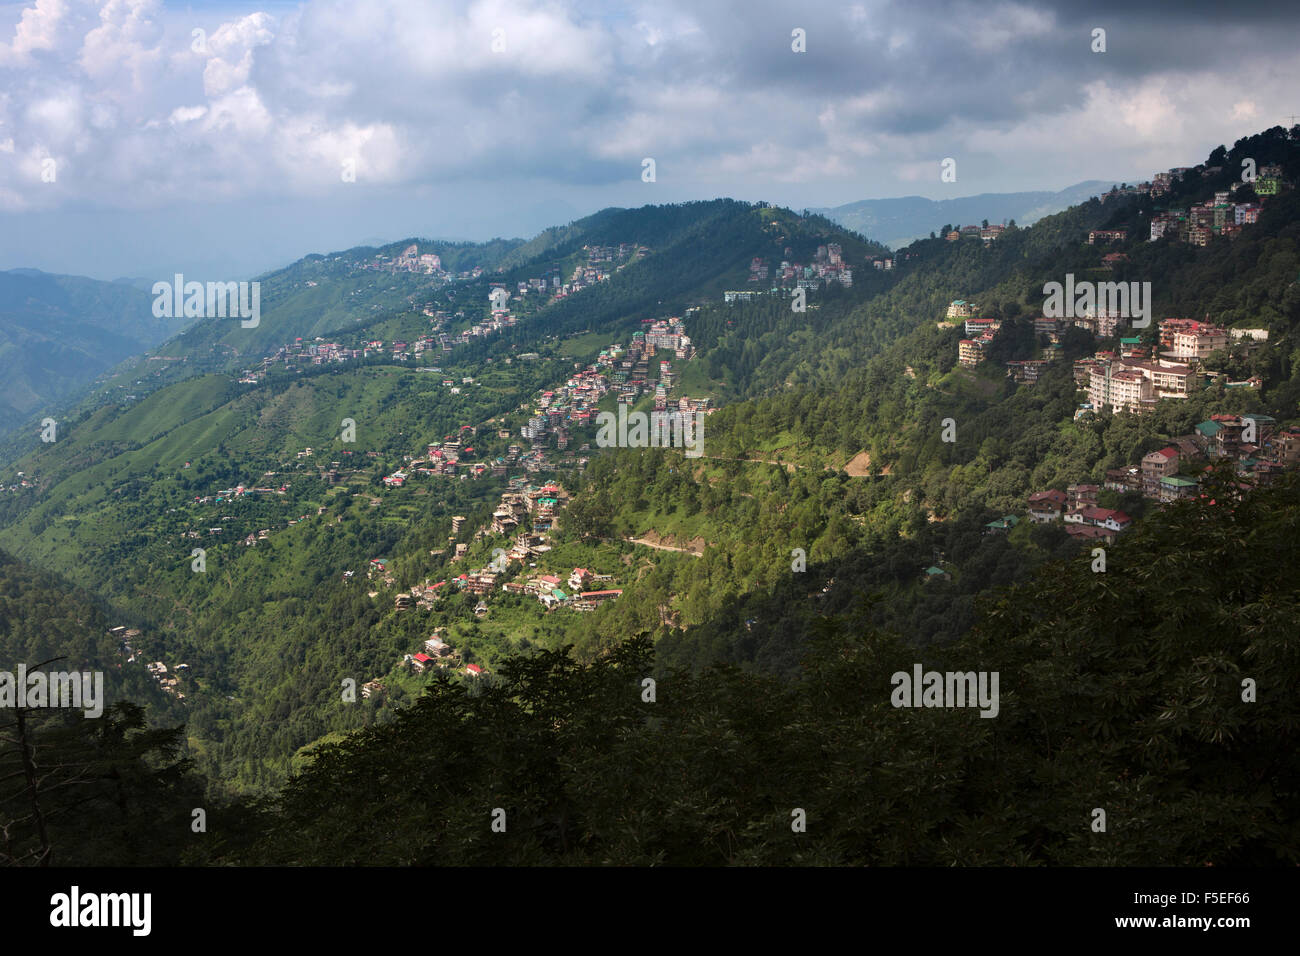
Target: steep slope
{"x":311,"y":556}
{"x":713,"y":769}
{"x":58,"y":333}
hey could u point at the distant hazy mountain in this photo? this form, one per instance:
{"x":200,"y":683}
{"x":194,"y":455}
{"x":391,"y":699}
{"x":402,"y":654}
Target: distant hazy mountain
{"x":896,"y":222}
{"x":57,"y":333}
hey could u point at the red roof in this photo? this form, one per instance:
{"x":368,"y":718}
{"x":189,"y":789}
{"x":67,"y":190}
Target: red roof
{"x":1084,"y":531}
{"x":588,"y":594}
{"x":1054,"y":496}
{"x":423,"y":658}
{"x":474,"y":669}
{"x":1104,"y":514}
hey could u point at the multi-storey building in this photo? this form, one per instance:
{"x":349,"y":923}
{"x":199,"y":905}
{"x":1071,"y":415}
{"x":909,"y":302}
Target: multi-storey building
{"x":1155,"y":466}
{"x":1198,"y":342}
{"x":1122,"y":388}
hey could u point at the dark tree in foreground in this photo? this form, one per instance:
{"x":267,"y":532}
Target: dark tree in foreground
{"x":1159,"y":691}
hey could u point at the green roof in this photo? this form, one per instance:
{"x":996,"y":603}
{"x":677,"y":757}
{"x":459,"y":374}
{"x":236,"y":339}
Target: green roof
{"x":1208,"y":429}
{"x":1178,"y":481}
{"x":933,"y":570}
{"x":1261,"y":418}
{"x":1133,"y":341}
{"x":1006,"y":521}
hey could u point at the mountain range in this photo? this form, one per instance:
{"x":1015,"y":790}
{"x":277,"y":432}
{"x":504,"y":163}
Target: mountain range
{"x":58,"y":333}
{"x":897,"y":222}
{"x":379,"y":538}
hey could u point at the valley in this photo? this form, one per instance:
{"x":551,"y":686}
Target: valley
{"x":389,"y":510}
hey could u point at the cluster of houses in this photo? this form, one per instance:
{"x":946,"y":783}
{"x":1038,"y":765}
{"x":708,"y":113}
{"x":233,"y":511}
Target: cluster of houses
{"x":1198,"y":223}
{"x":1253,"y":445}
{"x":23,"y":482}
{"x":436,"y":653}
{"x":527,"y":514}
{"x":625,"y":373}
{"x":979,"y":332}
{"x":496,"y":321}
{"x":597,"y":268}
{"x":984,"y":233}
{"x":168,"y":679}
{"x":1268,"y":182}
{"x":170,"y":683}
{"x":298,"y":354}
{"x":581,"y":596}
{"x":453,"y":457}
{"x":1133,"y":380}
{"x":1138,"y":377}
{"x":410,"y":259}
{"x":1077,"y":509}
{"x":600,"y":263}
{"x":239,"y":491}
{"x":828,"y":265}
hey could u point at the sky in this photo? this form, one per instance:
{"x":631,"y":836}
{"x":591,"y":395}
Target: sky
{"x":143,"y":137}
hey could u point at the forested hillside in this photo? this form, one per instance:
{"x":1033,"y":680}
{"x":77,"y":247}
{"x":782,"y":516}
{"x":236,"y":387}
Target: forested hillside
{"x":385,"y":537}
{"x":58,"y":333}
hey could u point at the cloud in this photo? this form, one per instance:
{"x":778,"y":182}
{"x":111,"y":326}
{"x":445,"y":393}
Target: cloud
{"x":36,"y":30}
{"x":145,"y":103}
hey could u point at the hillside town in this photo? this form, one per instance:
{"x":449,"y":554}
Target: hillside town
{"x":627,"y":373}
{"x":1197,"y":224}
{"x":525,"y":518}
{"x":986,"y":233}
{"x":828,"y":266}
{"x":1252,"y":446}
{"x":1131,"y":381}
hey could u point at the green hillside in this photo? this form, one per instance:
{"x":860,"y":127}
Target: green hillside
{"x":264,"y":506}
{"x":58,"y":333}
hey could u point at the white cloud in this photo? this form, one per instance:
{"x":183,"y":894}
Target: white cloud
{"x":411,"y":89}
{"x":36,"y":30}
{"x":124,"y":45}
{"x":187,"y":114}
